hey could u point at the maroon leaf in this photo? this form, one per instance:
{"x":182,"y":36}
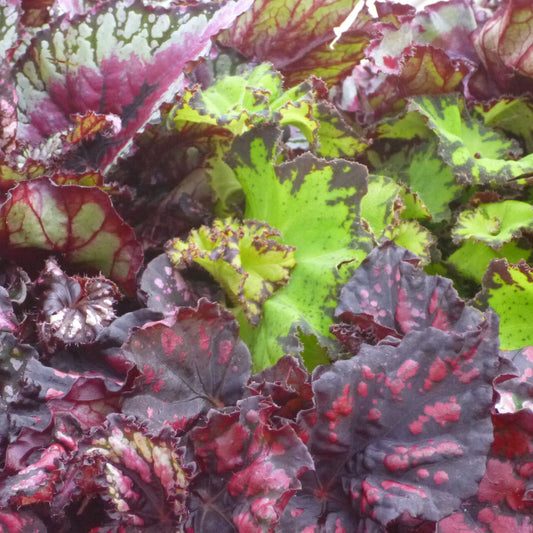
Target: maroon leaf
{"x":189,"y":363}
{"x":400,"y":429}
{"x":390,"y":295}
{"x":79,"y":223}
{"x":248,"y":469}
{"x":74,"y":309}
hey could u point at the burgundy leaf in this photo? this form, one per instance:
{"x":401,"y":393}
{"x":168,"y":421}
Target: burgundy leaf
{"x":401,"y":429}
{"x":390,"y":295}
{"x":79,"y":223}
{"x":74,"y":309}
{"x":248,"y":469}
{"x":288,"y":384}
{"x":189,"y":363}
{"x":12,"y":521}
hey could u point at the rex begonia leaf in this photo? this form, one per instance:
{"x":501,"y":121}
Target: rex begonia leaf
{"x":473,"y":258}
{"x":508,"y":289}
{"x":296,"y":38}
{"x":315,"y":205}
{"x":504,"y":45}
{"x":75,"y":309}
{"x":189,"y":363}
{"x":475,"y":153}
{"x":494,"y":223}
{"x":503,"y":502}
{"x":165,"y":287}
{"x":123,"y":58}
{"x":399,"y":429}
{"x":411,"y":235}
{"x":246,"y":259}
{"x":392,"y":291}
{"x":78,"y":223}
{"x":142,"y":475}
{"x":248,"y":469}
{"x":288,"y":384}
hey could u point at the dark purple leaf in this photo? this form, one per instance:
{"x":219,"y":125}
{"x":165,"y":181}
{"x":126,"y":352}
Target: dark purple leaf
{"x":74,"y":309}
{"x":165,"y":287}
{"x":248,"y":469}
{"x":401,"y":429}
{"x":288,"y":384}
{"x":390,"y":295}
{"x":189,"y":363}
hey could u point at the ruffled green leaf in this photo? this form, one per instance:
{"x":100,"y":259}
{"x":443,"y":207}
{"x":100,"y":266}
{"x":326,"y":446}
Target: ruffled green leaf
{"x":495,"y":223}
{"x":315,"y":204}
{"x":247,"y":260}
{"x":411,"y":235}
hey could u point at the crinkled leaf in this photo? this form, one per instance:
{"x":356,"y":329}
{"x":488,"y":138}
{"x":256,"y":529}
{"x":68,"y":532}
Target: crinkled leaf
{"x":246,"y":259}
{"x":189,"y":363}
{"x":494,"y":223}
{"x":142,"y":475}
{"x":249,"y":468}
{"x":473,"y":258}
{"x":402,"y":429}
{"x":508,"y":289}
{"x":394,"y":293}
{"x":315,"y":205}
{"x":79,"y":223}
{"x":123,"y":58}
{"x":296,"y":38}
{"x":74,"y":309}
{"x":411,"y":235}
{"x":475,"y":153}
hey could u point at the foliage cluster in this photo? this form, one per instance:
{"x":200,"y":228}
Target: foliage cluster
{"x":253,"y":280}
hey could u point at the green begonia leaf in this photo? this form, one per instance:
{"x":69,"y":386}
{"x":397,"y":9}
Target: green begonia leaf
{"x":475,"y":153}
{"x":247,"y":260}
{"x":514,"y":116}
{"x":411,"y":235}
{"x":380,"y":204}
{"x":413,"y":206}
{"x":509,"y":290}
{"x":315,"y":205}
{"x":494,"y":223}
{"x":473,"y":257}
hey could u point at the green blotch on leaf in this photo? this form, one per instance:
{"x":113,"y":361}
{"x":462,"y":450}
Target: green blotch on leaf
{"x":509,"y":290}
{"x":315,"y":204}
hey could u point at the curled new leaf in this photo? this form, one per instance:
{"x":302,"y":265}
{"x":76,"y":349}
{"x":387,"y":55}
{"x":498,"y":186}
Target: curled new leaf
{"x":75,"y":309}
{"x":247,"y":260}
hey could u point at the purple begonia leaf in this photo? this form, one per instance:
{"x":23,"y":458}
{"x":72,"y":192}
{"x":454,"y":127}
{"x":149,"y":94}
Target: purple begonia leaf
{"x":189,"y":363}
{"x":259,"y":464}
{"x":165,"y":288}
{"x":141,"y":476}
{"x":123,"y":58}
{"x":12,"y":521}
{"x":296,"y":38}
{"x":78,"y":223}
{"x":390,"y":294}
{"x":74,"y":309}
{"x":504,"y":501}
{"x":288,"y":384}
{"x":402,"y":429}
